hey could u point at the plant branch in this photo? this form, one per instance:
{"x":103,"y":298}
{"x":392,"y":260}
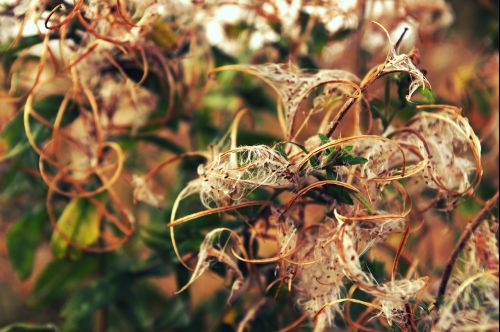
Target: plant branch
{"x":340,"y":115}
{"x":466,"y":235}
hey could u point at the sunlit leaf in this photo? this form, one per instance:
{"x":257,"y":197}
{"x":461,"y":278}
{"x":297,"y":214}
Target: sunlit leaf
{"x":79,"y":223}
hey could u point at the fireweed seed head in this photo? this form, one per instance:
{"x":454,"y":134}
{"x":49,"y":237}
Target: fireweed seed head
{"x":454,"y":149}
{"x":213,"y":249}
{"x":401,"y":62}
{"x":144,"y":193}
{"x":232,"y":175}
{"x":293,"y":84}
{"x":320,"y":277}
{"x":472,"y":296}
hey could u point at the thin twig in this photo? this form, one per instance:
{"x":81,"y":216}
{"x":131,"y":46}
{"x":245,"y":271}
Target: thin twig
{"x":398,"y":43}
{"x":410,"y":323}
{"x":340,"y":116}
{"x":250,"y":315}
{"x":466,"y":235}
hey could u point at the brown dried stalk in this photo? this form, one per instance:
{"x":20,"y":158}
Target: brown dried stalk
{"x":466,"y":235}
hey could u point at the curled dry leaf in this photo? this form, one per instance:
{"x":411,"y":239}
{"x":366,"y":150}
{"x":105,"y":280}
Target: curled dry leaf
{"x":292,"y":85}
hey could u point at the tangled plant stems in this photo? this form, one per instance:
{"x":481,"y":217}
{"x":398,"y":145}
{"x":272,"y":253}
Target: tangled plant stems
{"x":316,"y":262}
{"x":466,"y":235}
{"x":345,"y":180}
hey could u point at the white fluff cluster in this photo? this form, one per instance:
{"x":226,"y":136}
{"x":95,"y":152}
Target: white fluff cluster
{"x":323,"y":259}
{"x":438,"y":149}
{"x":321,"y":282}
{"x":393,"y":294}
{"x":145,"y":13}
{"x":207,"y":253}
{"x":403,"y":63}
{"x":11,"y":21}
{"x":144,"y":193}
{"x":123,"y":101}
{"x":232,"y":175}
{"x":384,"y":158}
{"x":454,"y":150}
{"x":293,"y":84}
{"x":473,"y":305}
{"x":370,"y":232}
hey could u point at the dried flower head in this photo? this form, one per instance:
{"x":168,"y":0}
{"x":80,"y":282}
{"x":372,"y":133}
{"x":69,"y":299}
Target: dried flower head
{"x":232,"y":175}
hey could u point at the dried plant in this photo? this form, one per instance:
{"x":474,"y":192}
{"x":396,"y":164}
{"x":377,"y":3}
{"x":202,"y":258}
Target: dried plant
{"x":346,"y":177}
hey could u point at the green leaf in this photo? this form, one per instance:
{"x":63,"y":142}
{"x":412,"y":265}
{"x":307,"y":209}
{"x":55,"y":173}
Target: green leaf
{"x":340,"y":194}
{"x":365,"y":202}
{"x":13,"y":140}
{"x":256,"y":97}
{"x":483,"y":102}
{"x":341,"y":34}
{"x":79,"y":222}
{"x":377,"y":269}
{"x":175,"y":315}
{"x":427,"y":94}
{"x":222,"y":58}
{"x":49,"y":107}
{"x":163,"y":36}
{"x":86,"y":301}
{"x":155,"y":240}
{"x":358,"y":309}
{"x":22,"y":241}
{"x":24,"y":327}
{"x":59,"y":278}
{"x":324,"y":139}
{"x":122,"y":288}
{"x":279,"y":148}
{"x":347,"y":158}
{"x":247,"y":137}
{"x":353,"y":160}
{"x":314,"y":161}
{"x":202,"y":129}
{"x":318,"y":43}
{"x":23,"y":43}
{"x":377,"y":108}
{"x":344,"y":157}
{"x":300,"y":146}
